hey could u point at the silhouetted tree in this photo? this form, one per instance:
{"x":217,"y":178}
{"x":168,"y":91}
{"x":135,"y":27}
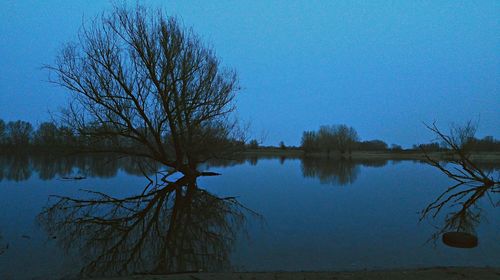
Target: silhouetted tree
{"x":345,"y":138}
{"x":488,"y":143}
{"x":2,"y":132}
{"x":430,"y":147}
{"x":461,"y":137}
{"x":282,"y":145}
{"x":396,"y":147}
{"x":140,"y":76}
{"x":330,"y":138}
{"x":47,"y":134}
{"x":253,"y":144}
{"x":19,"y":133}
{"x":372,"y":145}
{"x":310,"y":141}
{"x":326,"y":138}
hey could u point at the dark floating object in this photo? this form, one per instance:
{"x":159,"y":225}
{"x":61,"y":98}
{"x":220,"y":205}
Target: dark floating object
{"x":460,"y":239}
{"x":209,"y":174}
{"x":74,"y":178}
{"x":4,"y":248}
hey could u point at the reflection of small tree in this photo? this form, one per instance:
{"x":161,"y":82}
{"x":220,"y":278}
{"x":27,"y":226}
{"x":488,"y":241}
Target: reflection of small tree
{"x":471,"y":182}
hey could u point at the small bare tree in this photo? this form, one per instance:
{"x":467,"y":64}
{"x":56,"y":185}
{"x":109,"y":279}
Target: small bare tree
{"x":471,"y":182}
{"x":140,"y":78}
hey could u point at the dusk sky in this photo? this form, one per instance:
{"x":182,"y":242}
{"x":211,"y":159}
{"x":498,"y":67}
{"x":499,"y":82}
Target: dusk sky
{"x":383,"y":67}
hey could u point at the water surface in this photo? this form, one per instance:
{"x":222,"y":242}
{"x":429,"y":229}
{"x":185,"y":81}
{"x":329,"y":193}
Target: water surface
{"x":298,"y":215}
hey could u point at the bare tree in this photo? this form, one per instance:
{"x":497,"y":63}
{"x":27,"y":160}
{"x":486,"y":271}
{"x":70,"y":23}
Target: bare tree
{"x":19,"y":133}
{"x":337,"y":137}
{"x":142,"y":78}
{"x":471,"y":182}
{"x":346,"y":137}
{"x":461,"y":137}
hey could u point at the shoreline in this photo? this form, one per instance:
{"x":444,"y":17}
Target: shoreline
{"x":432,"y":273}
{"x":482,"y":156}
{"x":375,"y":155}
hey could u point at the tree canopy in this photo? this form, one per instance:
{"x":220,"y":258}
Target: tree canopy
{"x":139,"y":75}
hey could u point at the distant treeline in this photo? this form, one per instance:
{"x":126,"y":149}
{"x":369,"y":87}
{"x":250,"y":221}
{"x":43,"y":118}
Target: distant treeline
{"x":344,"y":139}
{"x":22,"y":135}
{"x":488,"y":143}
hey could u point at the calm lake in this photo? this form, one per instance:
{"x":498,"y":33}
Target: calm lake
{"x":271,"y":214}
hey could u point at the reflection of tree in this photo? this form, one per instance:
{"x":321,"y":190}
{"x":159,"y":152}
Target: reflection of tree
{"x":253,"y":160}
{"x":20,"y":167}
{"x":50,"y":166}
{"x":15,"y":168}
{"x":170,"y":227}
{"x":334,"y":171}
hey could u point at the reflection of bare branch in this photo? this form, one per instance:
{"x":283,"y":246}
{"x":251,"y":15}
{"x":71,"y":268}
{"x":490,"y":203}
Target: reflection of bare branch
{"x":173,"y":227}
{"x":471,"y":182}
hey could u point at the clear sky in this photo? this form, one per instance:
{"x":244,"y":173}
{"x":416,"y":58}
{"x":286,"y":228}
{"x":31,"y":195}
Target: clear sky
{"x":383,"y":67}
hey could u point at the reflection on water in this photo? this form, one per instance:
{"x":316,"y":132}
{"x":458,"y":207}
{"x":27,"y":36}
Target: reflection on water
{"x":15,"y":168}
{"x":336,"y":171}
{"x":170,"y":227}
{"x":462,"y":213}
{"x":461,"y":201}
{"x":20,"y":167}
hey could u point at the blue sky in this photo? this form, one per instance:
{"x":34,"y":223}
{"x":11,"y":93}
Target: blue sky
{"x":383,"y":67}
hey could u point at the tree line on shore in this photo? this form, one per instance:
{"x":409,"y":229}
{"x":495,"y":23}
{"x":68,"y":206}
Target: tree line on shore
{"x":22,"y":135}
{"x":343,"y":139}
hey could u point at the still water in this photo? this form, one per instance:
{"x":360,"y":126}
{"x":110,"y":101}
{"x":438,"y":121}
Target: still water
{"x":271,"y":214}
